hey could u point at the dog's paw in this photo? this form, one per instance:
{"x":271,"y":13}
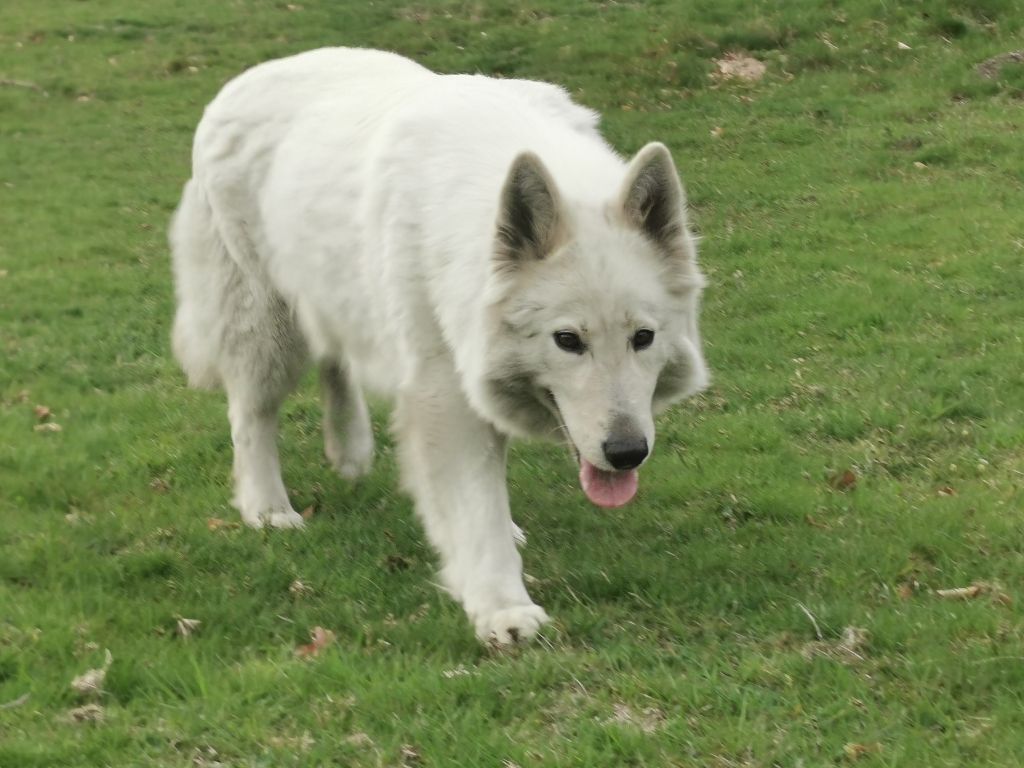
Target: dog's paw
{"x":352,"y":459}
{"x":511,"y":625}
{"x":353,"y":470}
{"x":286,"y":519}
{"x":282,"y":518}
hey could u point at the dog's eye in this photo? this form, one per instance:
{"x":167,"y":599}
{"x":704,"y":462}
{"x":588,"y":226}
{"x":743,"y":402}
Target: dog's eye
{"x":569,"y":341}
{"x":642,"y":339}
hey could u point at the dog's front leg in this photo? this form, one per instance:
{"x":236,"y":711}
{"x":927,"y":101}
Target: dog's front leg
{"x":454,"y":466}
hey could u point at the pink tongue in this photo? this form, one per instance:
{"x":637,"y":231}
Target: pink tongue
{"x":608,"y":489}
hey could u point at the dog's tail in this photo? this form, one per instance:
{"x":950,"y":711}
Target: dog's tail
{"x":203,"y":273}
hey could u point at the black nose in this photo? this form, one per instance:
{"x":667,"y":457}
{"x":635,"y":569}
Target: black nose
{"x":625,"y":453}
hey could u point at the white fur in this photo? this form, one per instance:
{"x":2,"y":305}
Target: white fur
{"x":344,"y":206}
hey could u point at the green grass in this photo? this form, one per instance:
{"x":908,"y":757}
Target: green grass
{"x":864,"y":235}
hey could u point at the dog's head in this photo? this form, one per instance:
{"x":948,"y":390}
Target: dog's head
{"x":593,"y":312}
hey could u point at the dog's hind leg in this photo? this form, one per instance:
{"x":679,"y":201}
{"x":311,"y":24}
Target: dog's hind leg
{"x":262,"y":364}
{"x":233,"y":328}
{"x":348,"y":433}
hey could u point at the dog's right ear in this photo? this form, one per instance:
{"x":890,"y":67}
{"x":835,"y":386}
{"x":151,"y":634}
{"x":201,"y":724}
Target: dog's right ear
{"x":530,"y":223}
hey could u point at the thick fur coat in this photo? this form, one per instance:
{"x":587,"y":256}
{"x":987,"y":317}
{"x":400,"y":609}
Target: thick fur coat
{"x":468,"y":246}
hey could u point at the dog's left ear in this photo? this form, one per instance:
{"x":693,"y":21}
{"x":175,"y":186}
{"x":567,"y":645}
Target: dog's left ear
{"x":653,"y":201}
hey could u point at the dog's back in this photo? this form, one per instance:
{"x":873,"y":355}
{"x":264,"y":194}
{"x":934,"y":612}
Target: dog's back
{"x":334,"y":177}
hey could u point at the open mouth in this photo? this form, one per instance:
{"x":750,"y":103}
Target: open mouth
{"x":603,"y":487}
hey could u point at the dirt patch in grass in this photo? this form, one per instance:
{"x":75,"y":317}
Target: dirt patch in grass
{"x":990,"y":69}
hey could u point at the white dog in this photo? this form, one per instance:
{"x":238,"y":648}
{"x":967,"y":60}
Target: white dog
{"x":467,"y":245}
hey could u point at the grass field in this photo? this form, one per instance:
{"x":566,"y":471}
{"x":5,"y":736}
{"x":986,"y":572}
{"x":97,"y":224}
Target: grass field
{"x":773,"y":596}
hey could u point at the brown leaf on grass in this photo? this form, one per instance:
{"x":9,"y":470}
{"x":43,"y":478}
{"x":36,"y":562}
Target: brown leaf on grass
{"x":48,"y":426}
{"x":89,"y":684}
{"x":186,"y":627}
{"x":947,"y":490}
{"x":216,"y":524}
{"x":299,"y":589}
{"x":359,"y":739}
{"x":320,"y":638}
{"x":42,"y":412}
{"x":89,"y":713}
{"x":1001,"y":598}
{"x":843,"y":481}
{"x":308,"y":512}
{"x":907,"y":589}
{"x":737,"y":66}
{"x":853,"y":751}
{"x":410,"y":756}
